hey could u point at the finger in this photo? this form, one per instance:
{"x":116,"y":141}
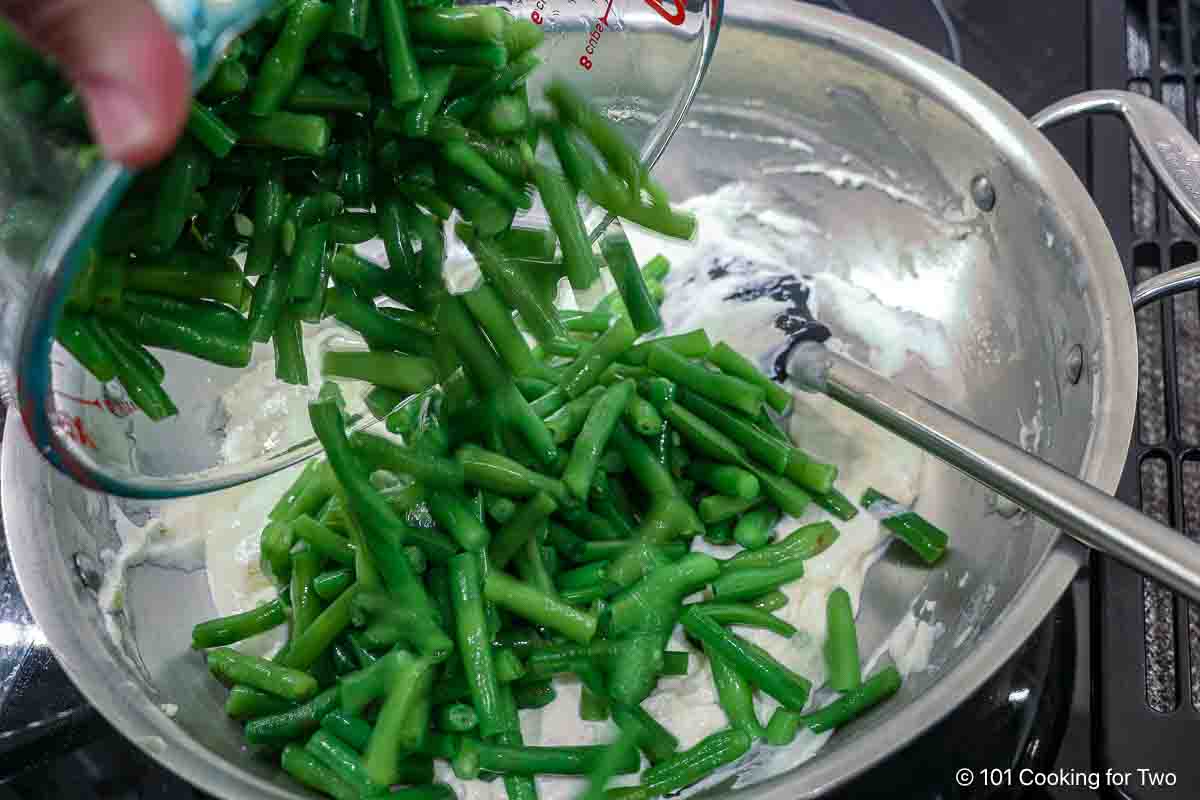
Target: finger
{"x":123,"y":59}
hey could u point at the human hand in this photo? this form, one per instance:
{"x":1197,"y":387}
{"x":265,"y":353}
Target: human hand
{"x":123,"y":59}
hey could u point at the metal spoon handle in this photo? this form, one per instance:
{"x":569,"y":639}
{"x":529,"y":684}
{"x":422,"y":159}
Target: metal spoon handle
{"x":1080,"y":510}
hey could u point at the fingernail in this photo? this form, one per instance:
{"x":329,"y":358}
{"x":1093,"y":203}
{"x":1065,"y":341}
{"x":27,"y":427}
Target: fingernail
{"x":122,"y":124}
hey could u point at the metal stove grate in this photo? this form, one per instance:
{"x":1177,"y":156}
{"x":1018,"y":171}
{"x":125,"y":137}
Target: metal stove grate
{"x":1146,"y":641}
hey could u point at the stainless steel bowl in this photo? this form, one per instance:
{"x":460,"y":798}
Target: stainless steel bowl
{"x":1029,"y":292}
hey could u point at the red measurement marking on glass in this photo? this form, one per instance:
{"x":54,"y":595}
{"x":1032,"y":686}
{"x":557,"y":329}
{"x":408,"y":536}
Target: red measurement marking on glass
{"x":675,"y":17}
{"x":118,"y":408}
{"x":537,"y":16}
{"x":593,"y":39}
{"x":73,"y":426}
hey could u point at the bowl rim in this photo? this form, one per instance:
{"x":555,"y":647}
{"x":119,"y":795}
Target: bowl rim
{"x":90,"y":664}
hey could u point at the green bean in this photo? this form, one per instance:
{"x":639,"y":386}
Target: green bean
{"x":449,"y":510}
{"x":771,"y":601}
{"x":594,"y":436}
{"x":181,"y":280}
{"x":343,"y":761}
{"x":353,"y":730}
{"x":329,"y":585}
{"x":535,"y":694}
{"x":324,"y":541}
{"x":314,"y":96}
{"x":388,"y":739}
{"x":351,"y":18}
{"x":496,"y":319}
{"x":586,"y":371}
{"x":210,"y":131}
{"x":652,"y":476}
{"x":516,"y":413}
{"x":516,"y":289}
{"x":521,"y":528}
{"x":75,"y":333}
{"x":498,"y":81}
{"x":726,"y":479}
{"x":926,"y":540}
{"x":270,"y":204}
{"x":308,"y":256}
{"x":404,"y":76}
{"x":246,"y":703}
{"x":374,"y":325}
{"x":258,"y":673}
{"x":288,"y":339}
{"x":655,"y":741}
{"x":181,"y":175}
{"x":807,"y":541}
{"x":488,"y":214}
{"x":874,"y":690}
{"x":526,"y":760}
{"x":474,"y":165}
{"x":720,"y":533}
{"x":539,"y":607}
{"x":305,"y":134}
{"x":586,"y":575}
{"x":236,"y":627}
{"x":462,"y":25}
{"x":731,"y":362}
{"x":306,"y":211}
{"x":493,"y":56}
{"x":754,"y":664}
{"x":809,"y":474}
{"x":474,"y":643}
{"x":691,"y":344}
{"x":750,"y":582}
{"x":619,"y":155}
{"x":359,"y":689}
{"x":506,"y":114}
{"x":618,"y":254}
{"x":724,"y":613}
{"x":841,"y":643}
{"x":837,"y":504}
{"x":308,"y":770}
{"x":702,"y":436}
{"x":229,"y":79}
{"x":283,"y":64}
{"x":308,"y":646}
{"x":753,"y":530}
{"x":736,"y":697}
{"x":275,"y":546}
{"x":496,"y":473}
{"x":353,"y":227}
{"x":789,"y":497}
{"x":294,"y":723}
{"x":559,"y":199}
{"x":684,"y":769}
{"x":717,"y":508}
{"x":429,"y":469}
{"x":586,"y":321}
{"x":522,"y":36}
{"x":652,"y":604}
{"x":724,"y":389}
{"x":409,"y":374}
{"x":436,"y":82}
{"x":783,"y":727}
{"x":567,"y":421}
{"x":126,"y":348}
{"x":140,"y":384}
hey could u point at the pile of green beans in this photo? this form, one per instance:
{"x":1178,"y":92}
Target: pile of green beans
{"x":535,"y":528}
{"x":329,"y":124}
{"x":547,"y":471}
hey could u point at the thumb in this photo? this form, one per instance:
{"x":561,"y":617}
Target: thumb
{"x":122,"y":58}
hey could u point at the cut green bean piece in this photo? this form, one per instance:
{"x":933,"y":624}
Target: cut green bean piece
{"x":540,"y":608}
{"x":837,"y":504}
{"x":753,"y":663}
{"x":874,"y":690}
{"x":753,"y":530}
{"x":404,"y":76}
{"x":523,"y":526}
{"x":748,"y":583}
{"x":308,"y":770}
{"x":236,"y":627}
{"x":841,"y":643}
{"x":807,"y":541}
{"x":734,"y":363}
{"x":258,"y":673}
{"x":593,"y":438}
{"x":559,"y":199}
{"x":639,"y":305}
{"x":724,"y":389}
{"x":283,"y":64}
{"x":717,"y":508}
{"x":684,"y":769}
{"x":587,"y":370}
{"x":724,"y":613}
{"x":926,"y":540}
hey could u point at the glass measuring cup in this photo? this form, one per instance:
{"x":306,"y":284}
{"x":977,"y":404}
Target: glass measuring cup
{"x":639,"y":61}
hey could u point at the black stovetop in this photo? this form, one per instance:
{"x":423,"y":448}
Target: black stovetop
{"x":1037,"y":712}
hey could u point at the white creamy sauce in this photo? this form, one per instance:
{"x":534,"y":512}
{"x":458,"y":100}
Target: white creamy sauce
{"x":736,"y":226}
